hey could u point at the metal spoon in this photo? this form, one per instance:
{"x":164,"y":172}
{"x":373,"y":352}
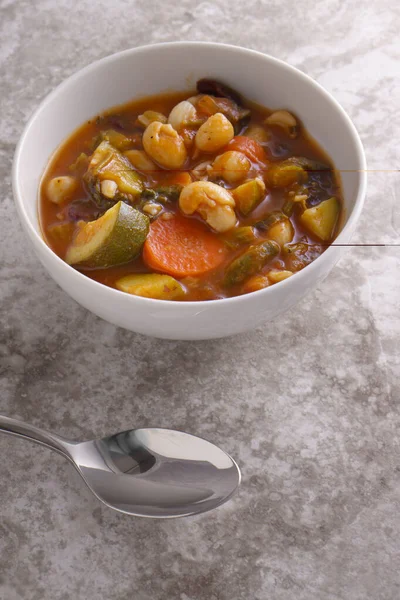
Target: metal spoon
{"x":145,"y":472}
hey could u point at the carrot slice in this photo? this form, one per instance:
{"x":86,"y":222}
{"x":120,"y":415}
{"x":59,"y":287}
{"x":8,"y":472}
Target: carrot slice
{"x":182,"y":247}
{"x":176,"y":178}
{"x":252,"y":149}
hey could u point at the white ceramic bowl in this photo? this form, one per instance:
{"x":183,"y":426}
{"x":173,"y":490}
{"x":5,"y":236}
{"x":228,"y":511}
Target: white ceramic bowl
{"x":177,"y":66}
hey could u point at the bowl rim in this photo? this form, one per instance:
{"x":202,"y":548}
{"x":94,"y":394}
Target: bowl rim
{"x":152,"y":302}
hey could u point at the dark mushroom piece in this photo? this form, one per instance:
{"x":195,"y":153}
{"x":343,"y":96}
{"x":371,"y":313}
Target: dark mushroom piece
{"x":81,"y":210}
{"x":218,"y":89}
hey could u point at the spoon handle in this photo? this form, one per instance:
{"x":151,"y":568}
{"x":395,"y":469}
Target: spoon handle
{"x":34,"y":434}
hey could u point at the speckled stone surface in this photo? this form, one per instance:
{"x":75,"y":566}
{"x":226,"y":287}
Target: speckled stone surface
{"x":309,"y":405}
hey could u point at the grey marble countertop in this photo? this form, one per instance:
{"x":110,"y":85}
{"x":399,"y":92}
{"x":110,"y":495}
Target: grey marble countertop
{"x":309,"y":404}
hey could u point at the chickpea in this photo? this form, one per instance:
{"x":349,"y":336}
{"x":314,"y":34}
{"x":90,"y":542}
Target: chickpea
{"x":211,"y":201}
{"x":182,"y":114}
{"x":164,"y":145}
{"x":108,"y":188}
{"x":152,"y":208}
{"x":285,"y":120}
{"x":140,"y":160}
{"x":232,"y":166}
{"x":214,"y":134}
{"x":200,"y":171}
{"x":60,"y":188}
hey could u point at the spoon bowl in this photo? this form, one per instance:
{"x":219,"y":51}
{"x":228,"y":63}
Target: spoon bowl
{"x":150,"y":472}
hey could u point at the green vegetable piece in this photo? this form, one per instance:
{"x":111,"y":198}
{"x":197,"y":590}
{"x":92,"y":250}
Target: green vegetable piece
{"x":250,"y":262}
{"x":298,"y":248}
{"x":239,"y":236}
{"x":160,"y":194}
{"x":80,"y":163}
{"x":61,"y":231}
{"x":301,"y":254}
{"x":285,"y":173}
{"x":115,"y":238}
{"x":149,"y":194}
{"x":249,"y":195}
{"x":116,"y":139}
{"x":272,"y":219}
{"x":288,"y":207}
{"x":169,"y":193}
{"x":108,"y":164}
{"x":153,"y":285}
{"x":321,"y":220}
{"x":294,"y":170}
{"x":308,"y":164}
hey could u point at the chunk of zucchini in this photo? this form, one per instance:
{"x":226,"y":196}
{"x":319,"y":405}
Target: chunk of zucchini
{"x":113,"y":239}
{"x":249,"y":195}
{"x":285,"y":173}
{"x":239,"y":236}
{"x":272,"y":219}
{"x":308,"y":164}
{"x":152,"y":285}
{"x":107,"y":163}
{"x":250,"y":262}
{"x":321,"y":220}
{"x":117,"y":139}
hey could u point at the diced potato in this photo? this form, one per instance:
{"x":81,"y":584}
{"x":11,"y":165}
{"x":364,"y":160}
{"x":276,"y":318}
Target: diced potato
{"x":255,"y":283}
{"x":152,"y":285}
{"x":59,"y":189}
{"x":249,"y":195}
{"x":282,"y":232}
{"x":321,"y":220}
{"x":278,"y":227}
{"x":275,"y":276}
